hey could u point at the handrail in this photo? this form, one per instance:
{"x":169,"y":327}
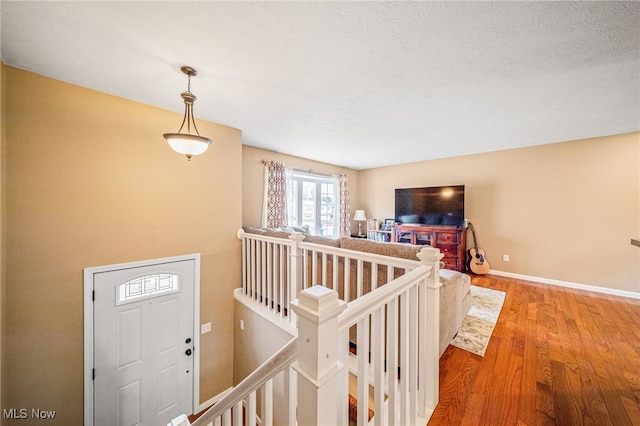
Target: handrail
{"x":241,"y":233}
{"x":396,"y":262}
{"x":267,"y":370}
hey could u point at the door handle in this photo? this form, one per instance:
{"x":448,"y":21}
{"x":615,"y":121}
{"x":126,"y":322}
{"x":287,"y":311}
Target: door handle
{"x":188,"y":352}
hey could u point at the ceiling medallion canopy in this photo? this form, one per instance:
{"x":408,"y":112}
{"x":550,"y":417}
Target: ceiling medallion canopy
{"x":187,"y":143}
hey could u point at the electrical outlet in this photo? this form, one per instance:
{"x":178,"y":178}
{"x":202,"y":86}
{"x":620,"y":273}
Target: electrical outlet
{"x":242,"y":325}
{"x":505,"y":257}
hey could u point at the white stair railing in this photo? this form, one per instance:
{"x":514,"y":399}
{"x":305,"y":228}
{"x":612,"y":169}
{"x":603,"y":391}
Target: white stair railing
{"x":266,"y":271}
{"x":275,"y":270}
{"x":397,"y":328}
{"x":390,"y":372}
{"x":333,"y":267}
{"x":239,"y":406}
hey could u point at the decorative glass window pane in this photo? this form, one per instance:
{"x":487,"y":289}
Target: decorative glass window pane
{"x":146,"y":287}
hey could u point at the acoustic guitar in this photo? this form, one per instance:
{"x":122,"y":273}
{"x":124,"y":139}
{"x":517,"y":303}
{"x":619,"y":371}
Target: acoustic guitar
{"x":477,"y":262}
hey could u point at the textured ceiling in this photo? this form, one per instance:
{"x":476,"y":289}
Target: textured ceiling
{"x":357,"y":84}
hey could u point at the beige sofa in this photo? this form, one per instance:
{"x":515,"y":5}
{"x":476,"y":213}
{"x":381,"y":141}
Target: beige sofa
{"x":455,"y":293}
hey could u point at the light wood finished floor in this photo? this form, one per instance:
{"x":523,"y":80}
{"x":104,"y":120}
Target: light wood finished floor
{"x":557,"y":356}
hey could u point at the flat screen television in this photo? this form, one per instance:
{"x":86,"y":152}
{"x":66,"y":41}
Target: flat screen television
{"x":436,"y":205}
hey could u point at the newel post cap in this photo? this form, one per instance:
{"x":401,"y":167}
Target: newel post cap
{"x":430,"y":254}
{"x":432,"y":257}
{"x":296,"y":236}
{"x":318,"y":304}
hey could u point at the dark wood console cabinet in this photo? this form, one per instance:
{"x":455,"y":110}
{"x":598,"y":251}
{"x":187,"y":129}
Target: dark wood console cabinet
{"x":451,"y":240}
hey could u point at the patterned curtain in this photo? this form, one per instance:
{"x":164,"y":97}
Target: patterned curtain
{"x":274,"y":211}
{"x":345,"y":208}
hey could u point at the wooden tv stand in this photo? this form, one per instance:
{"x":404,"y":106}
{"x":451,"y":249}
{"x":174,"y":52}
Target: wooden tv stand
{"x":451,"y":240}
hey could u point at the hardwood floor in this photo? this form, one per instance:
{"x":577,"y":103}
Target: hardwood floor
{"x":557,"y":356}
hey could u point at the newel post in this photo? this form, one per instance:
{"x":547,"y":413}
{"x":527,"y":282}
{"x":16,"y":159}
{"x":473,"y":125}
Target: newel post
{"x":429,"y":320}
{"x":243,"y":244}
{"x":295,"y":268}
{"x":317,"y":366}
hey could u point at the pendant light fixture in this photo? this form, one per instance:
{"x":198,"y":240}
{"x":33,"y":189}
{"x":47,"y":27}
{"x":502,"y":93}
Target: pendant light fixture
{"x":186,"y":143}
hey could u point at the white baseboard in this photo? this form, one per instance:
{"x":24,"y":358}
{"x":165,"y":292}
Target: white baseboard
{"x":587,"y":287}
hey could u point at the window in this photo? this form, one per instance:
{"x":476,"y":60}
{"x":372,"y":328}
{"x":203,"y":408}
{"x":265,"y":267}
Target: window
{"x":314,"y":201}
{"x":146,"y":287}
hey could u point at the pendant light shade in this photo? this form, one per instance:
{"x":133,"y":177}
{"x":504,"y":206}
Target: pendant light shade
{"x":188,"y":144}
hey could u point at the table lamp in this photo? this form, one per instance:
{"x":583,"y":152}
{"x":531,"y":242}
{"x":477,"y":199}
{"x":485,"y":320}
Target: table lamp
{"x":360,"y":217}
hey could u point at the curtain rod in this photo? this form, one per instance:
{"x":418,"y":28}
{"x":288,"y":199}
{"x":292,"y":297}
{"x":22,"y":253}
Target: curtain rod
{"x":310,"y":171}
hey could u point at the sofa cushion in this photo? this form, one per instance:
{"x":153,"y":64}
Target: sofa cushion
{"x":325,"y":241}
{"x":252,"y":230}
{"x":403,"y":251}
{"x":289,"y":229}
{"x":277,"y":233}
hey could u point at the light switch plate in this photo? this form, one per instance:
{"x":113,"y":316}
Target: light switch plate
{"x":205,"y":328}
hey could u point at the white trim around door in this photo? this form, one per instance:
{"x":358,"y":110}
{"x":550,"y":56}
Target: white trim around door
{"x":89,"y":327}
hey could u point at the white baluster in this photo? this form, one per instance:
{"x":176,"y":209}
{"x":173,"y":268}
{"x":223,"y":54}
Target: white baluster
{"x":378,"y":361}
{"x":392,"y":358}
{"x":237,"y":413}
{"x":363,"y":371}
{"x":343,"y":379}
{"x":251,"y":409}
{"x":267,"y":403}
{"x":290,"y":399}
{"x":295,"y":270}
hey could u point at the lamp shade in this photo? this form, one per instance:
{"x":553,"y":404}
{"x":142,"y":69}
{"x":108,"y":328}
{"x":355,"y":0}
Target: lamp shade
{"x":186,"y":144}
{"x":359,"y":215}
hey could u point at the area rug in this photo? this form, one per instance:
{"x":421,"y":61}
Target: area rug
{"x":479,"y":323}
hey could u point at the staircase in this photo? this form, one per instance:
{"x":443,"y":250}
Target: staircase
{"x":367,"y":331}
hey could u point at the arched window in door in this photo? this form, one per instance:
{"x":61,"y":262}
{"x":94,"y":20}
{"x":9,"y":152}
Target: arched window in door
{"x":146,"y":287}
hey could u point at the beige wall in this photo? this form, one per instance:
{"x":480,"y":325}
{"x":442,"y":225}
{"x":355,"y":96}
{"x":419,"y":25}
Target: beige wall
{"x":564,"y":211}
{"x":2,"y":242}
{"x":89,"y":182}
{"x":255,"y":344}
{"x":253,"y":179}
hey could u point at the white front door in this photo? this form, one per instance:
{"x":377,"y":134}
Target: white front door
{"x":143,"y":343}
